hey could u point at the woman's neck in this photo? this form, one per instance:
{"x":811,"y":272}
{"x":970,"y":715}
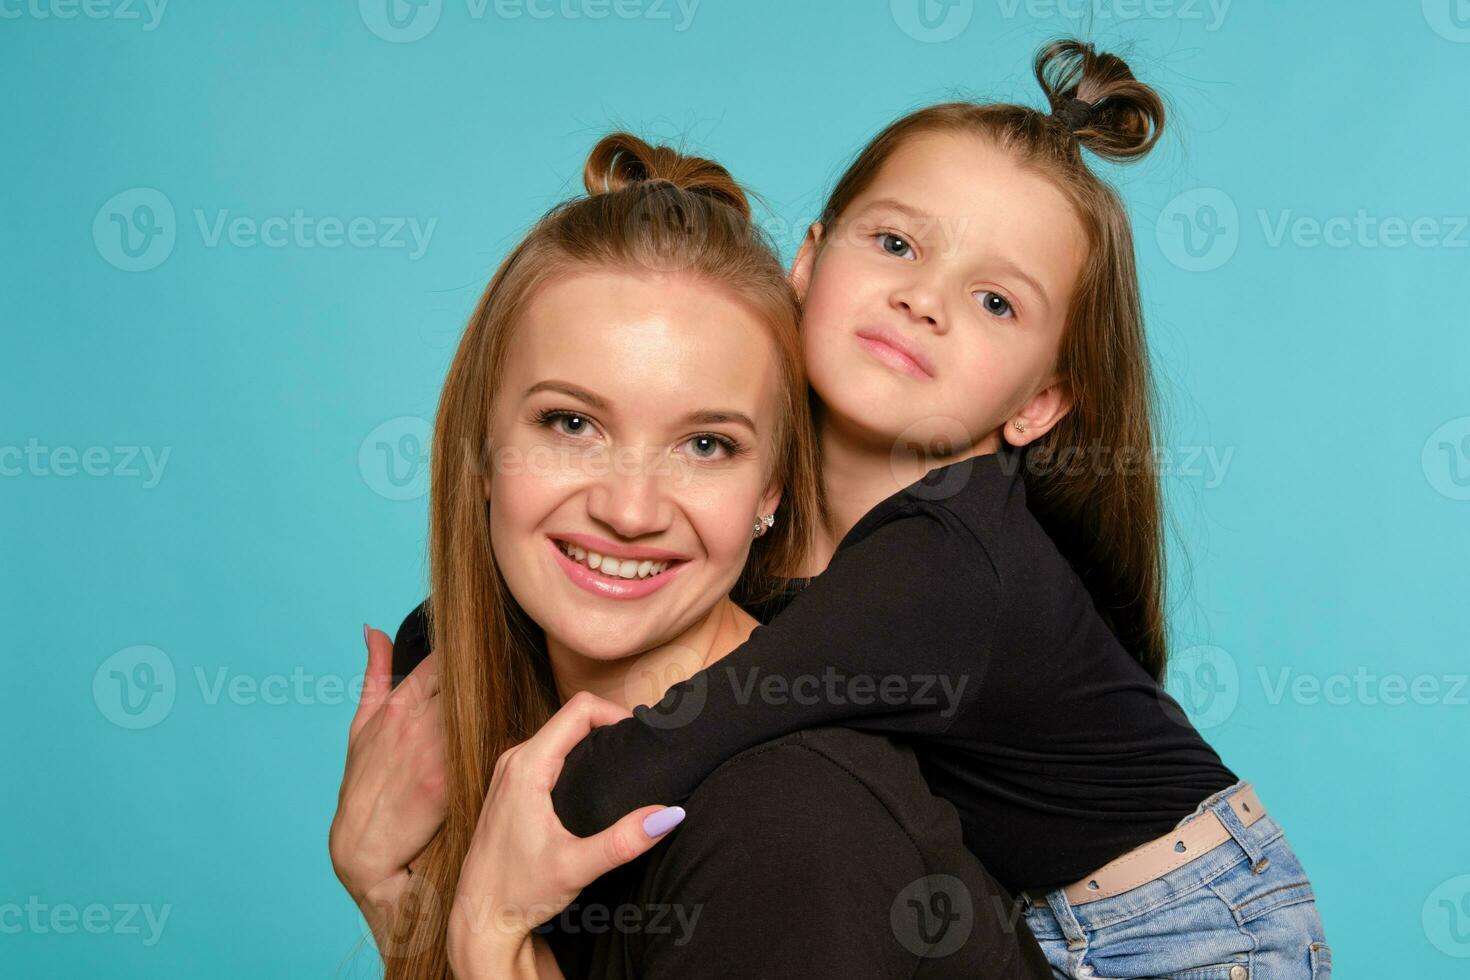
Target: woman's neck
{"x":644,"y":677}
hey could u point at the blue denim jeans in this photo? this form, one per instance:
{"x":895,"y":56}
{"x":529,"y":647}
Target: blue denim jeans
{"x":1210,"y":919}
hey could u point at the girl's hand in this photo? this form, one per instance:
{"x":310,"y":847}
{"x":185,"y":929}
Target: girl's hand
{"x":523,"y":867}
{"x":392,"y":799}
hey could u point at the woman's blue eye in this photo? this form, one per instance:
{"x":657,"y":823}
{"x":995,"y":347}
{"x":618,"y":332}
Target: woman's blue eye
{"x":893,"y":244}
{"x":995,"y":304}
{"x":575,"y":424}
{"x":718,"y":442}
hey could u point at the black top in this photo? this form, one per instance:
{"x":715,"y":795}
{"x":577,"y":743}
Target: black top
{"x":946,"y":616}
{"x":818,"y":854}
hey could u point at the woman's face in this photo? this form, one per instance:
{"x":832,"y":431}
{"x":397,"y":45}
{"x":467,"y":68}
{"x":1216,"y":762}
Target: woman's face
{"x":966,"y":261}
{"x":634,"y":421}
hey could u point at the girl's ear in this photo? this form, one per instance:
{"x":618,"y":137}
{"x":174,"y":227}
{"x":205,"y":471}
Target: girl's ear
{"x":801,"y":268}
{"x":1039,"y":415}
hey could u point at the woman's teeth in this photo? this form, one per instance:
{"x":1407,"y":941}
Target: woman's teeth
{"x":613,"y":567}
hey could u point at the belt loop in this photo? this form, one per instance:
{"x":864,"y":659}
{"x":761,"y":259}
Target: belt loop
{"x":1228,"y":817}
{"x":1067,"y":919}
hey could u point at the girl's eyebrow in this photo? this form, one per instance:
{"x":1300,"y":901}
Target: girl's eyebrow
{"x":702,"y":417}
{"x":897,"y":205}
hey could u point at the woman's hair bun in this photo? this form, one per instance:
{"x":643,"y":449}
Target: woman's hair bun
{"x":1126,"y":117}
{"x":622,"y":160}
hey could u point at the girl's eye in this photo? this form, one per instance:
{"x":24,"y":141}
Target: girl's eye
{"x":995,"y":304}
{"x":893,"y":244}
{"x":710,"y":441}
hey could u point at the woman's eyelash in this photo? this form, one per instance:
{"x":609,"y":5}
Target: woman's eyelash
{"x":547,"y":417}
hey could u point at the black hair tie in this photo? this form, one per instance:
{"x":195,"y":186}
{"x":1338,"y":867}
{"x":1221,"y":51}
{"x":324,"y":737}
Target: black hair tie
{"x":1074,"y":114}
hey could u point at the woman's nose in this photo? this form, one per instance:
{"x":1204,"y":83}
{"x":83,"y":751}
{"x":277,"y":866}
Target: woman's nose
{"x":632,"y":497}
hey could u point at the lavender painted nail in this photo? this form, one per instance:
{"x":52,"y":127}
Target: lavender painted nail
{"x":663,"y":821}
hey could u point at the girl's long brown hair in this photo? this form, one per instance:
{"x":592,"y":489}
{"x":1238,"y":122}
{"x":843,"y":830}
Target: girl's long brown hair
{"x":1107,"y":519}
{"x":648,"y":210}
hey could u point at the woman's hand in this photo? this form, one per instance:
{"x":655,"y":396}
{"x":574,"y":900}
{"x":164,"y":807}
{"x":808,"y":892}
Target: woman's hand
{"x":523,"y":867}
{"x":392,"y":799}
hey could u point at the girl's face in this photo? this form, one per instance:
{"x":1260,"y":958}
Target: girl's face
{"x":933,"y":312}
{"x":634,"y":423}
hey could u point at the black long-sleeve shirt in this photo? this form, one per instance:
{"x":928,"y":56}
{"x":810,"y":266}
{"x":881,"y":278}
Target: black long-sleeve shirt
{"x":818,"y":854}
{"x":948,"y":617}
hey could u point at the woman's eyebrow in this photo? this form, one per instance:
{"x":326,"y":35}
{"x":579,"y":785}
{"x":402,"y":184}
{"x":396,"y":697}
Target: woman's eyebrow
{"x":707,"y":416}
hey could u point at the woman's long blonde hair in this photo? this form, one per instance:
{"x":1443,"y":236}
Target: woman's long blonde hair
{"x":647,"y":209}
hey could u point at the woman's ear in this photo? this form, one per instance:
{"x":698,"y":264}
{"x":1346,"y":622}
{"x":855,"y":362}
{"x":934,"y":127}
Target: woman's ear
{"x":770,"y":501}
{"x":806,"y":257}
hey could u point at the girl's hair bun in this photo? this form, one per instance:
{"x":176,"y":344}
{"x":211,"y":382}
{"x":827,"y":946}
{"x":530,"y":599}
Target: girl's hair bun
{"x":1126,"y":116}
{"x":621,"y":160}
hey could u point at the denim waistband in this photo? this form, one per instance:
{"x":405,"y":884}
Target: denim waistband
{"x":1245,"y":844}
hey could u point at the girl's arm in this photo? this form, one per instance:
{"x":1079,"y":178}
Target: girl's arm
{"x":893,"y":638}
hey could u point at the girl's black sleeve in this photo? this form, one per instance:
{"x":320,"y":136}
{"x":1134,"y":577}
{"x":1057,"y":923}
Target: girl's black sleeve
{"x":893,"y":637}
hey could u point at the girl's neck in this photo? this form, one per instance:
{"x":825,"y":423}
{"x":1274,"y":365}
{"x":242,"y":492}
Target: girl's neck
{"x":644,"y":677}
{"x":858,"y":473}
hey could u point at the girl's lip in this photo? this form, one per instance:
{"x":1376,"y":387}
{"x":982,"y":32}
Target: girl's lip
{"x":893,"y":357}
{"x":610,"y":588}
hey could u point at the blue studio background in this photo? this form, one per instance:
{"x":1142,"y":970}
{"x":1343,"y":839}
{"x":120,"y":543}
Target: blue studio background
{"x":239,"y":242}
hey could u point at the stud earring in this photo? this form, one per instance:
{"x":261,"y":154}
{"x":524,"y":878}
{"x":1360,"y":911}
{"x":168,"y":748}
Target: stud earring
{"x":1019,"y":426}
{"x":763,"y":524}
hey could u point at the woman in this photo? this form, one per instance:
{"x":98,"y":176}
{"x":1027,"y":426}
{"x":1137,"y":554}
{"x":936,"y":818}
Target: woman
{"x":629,"y":394}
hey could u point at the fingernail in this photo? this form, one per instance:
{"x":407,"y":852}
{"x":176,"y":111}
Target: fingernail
{"x":365,"y":634}
{"x":663,"y":821}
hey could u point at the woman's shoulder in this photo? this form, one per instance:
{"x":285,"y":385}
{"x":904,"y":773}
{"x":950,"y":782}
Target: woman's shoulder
{"x":831,"y":837}
{"x":412,"y":642}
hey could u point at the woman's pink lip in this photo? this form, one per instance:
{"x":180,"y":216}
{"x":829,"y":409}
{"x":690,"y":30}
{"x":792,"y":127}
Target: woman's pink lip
{"x":608,"y":588}
{"x":894,"y":357}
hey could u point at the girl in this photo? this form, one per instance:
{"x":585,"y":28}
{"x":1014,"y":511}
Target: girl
{"x":647,"y":319}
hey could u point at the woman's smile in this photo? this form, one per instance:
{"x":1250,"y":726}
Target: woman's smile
{"x":612,"y":578}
